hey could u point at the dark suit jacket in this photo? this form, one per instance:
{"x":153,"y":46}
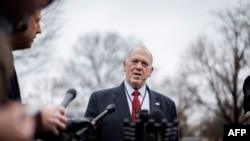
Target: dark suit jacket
{"x":112,"y":125}
{"x":14,"y":90}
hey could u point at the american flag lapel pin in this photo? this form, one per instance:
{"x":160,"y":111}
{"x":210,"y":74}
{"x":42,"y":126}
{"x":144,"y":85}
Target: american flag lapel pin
{"x":157,"y":103}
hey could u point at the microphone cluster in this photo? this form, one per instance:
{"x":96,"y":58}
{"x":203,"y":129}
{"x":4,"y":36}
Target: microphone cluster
{"x":70,"y":95}
{"x":80,"y":127}
{"x":151,"y":127}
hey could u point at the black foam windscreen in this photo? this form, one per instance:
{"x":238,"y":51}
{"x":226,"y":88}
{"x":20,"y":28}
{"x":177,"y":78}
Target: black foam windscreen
{"x":156,"y":115}
{"x":111,"y":108}
{"x":144,"y":115}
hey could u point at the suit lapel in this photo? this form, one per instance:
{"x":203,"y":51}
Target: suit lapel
{"x":154,"y":100}
{"x":121,"y":102}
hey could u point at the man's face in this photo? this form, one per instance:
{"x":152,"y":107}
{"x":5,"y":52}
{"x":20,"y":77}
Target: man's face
{"x":138,"y":67}
{"x":23,"y":40}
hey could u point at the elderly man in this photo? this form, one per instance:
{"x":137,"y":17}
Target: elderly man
{"x":132,"y":96}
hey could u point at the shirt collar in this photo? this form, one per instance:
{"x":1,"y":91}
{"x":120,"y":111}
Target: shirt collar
{"x":130,"y":90}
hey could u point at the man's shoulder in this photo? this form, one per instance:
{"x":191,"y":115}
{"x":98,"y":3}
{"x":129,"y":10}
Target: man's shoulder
{"x":162,"y":96}
{"x":104,"y":90}
{"x":107,"y":91}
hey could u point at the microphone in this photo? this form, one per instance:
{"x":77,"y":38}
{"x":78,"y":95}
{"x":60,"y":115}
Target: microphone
{"x":156,"y":115}
{"x":70,"y":95}
{"x":82,"y":132}
{"x":157,"y":132}
{"x":246,"y":92}
{"x":109,"y":109}
{"x":143,"y":116}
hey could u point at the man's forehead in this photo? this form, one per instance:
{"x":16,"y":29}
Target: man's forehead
{"x":139,"y":53}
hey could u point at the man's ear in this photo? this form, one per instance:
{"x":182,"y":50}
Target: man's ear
{"x":124,"y":66}
{"x":22,"y":25}
{"x":151,"y":71}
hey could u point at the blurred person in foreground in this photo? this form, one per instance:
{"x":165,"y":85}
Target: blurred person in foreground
{"x":137,"y":67}
{"x":17,"y":18}
{"x":16,"y":124}
{"x":50,"y":119}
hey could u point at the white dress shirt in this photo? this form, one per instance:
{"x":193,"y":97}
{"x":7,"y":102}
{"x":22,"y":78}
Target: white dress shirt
{"x":143,"y":95}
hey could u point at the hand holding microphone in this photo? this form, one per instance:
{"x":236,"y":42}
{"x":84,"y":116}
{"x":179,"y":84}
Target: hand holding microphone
{"x":52,"y":118}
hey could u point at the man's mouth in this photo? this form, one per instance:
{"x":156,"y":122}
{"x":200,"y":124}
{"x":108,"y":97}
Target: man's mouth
{"x":137,"y":74}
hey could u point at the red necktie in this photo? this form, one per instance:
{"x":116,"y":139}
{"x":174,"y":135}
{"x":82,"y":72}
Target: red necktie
{"x":136,"y":106}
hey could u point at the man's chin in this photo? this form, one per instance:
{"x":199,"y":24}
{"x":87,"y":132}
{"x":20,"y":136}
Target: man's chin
{"x":136,"y":84}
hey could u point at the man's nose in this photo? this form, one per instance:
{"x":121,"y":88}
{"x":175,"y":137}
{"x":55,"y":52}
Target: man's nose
{"x":139,"y":65}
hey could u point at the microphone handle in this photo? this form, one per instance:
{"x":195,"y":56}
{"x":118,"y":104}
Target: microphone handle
{"x":66,"y":100}
{"x":64,"y":103}
{"x":100,"y":116}
{"x":158,"y":136}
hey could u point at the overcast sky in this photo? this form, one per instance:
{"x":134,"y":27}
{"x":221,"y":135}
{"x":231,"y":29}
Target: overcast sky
{"x":166,"y":27}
